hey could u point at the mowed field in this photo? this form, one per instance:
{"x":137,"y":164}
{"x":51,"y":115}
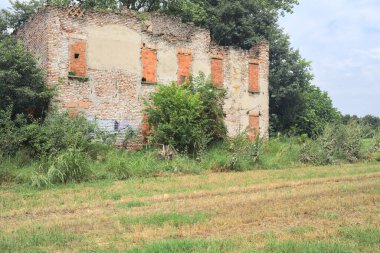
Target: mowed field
{"x":306,"y":209}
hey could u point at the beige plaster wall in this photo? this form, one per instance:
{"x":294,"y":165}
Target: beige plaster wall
{"x":167,"y":65}
{"x":114,"y":47}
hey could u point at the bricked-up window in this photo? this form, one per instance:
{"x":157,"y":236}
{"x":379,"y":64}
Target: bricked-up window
{"x":144,"y":127}
{"x":149,"y":65}
{"x":184,"y":65}
{"x":254,"y":125}
{"x":253,"y":73}
{"x":217,"y":71}
{"x":78,"y":66}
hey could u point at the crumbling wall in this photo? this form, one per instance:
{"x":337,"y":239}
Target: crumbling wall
{"x":35,"y":38}
{"x":231,"y":71}
{"x":106,"y":63}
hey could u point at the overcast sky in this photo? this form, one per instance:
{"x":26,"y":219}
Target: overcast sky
{"x":342,"y":39}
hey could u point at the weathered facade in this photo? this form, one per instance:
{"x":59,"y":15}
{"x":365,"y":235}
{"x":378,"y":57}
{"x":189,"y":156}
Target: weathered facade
{"x":105,"y":63}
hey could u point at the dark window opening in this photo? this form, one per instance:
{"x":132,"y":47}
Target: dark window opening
{"x":116,"y":125}
{"x":76,"y":55}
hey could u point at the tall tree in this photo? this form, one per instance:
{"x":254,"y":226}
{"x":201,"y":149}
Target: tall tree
{"x":22,"y":86}
{"x":19,"y":12}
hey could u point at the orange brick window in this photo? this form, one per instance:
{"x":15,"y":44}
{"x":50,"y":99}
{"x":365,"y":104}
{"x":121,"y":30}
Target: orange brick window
{"x":149,"y":65}
{"x":78,"y":66}
{"x":184,"y":65}
{"x":217,"y":72}
{"x":253,"y":77}
{"x":254,"y":125}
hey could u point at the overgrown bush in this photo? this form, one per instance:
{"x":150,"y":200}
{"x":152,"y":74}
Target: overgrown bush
{"x":376,"y":143}
{"x":62,"y":145}
{"x":187,"y":117}
{"x":338,"y":142}
{"x":212,"y":101}
{"x":245,"y":153}
{"x":57,"y":133}
{"x":22,"y":86}
{"x":11,"y":138}
{"x":375,"y":147}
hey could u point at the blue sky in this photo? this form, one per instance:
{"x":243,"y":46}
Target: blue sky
{"x":342,"y":39}
{"x":3,"y":4}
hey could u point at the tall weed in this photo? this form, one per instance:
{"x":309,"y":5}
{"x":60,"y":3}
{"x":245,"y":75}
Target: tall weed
{"x":69,"y":166}
{"x":338,"y":142}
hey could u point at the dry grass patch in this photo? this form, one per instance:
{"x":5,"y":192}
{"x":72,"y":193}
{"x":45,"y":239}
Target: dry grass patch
{"x":257,"y":210}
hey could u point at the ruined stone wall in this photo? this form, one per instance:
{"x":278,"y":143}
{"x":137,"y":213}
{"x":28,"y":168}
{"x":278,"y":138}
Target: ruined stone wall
{"x":34,"y":37}
{"x":244,"y":74}
{"x":106,"y":63}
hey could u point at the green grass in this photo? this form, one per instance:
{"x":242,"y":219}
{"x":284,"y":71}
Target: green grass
{"x":129,"y":216}
{"x":160,"y":219}
{"x":131,"y":204}
{"x":279,"y":153}
{"x":369,"y":236}
{"x":293,"y":246}
{"x":330,"y":216}
{"x":301,"y":230}
{"x":185,"y":246}
{"x":108,"y":163}
{"x":37,"y":239}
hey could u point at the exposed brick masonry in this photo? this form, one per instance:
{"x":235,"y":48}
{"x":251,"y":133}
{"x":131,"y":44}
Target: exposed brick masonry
{"x":122,"y":56}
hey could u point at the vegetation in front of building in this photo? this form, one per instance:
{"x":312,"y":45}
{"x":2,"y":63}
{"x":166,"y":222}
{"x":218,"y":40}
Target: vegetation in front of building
{"x":44,"y":148}
{"x":62,"y":149}
{"x":187,"y":117}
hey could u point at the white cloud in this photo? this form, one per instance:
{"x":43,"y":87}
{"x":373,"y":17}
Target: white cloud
{"x":341,"y":38}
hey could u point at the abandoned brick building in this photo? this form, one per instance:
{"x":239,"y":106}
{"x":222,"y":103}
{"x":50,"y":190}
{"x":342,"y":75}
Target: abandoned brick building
{"x":105,"y":63}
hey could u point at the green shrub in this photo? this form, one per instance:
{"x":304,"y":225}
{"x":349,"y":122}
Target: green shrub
{"x":212,"y":101}
{"x":174,"y":115}
{"x":338,"y":142}
{"x":245,"y":153}
{"x":11,"y":138}
{"x":6,"y":168}
{"x":60,"y":132}
{"x":57,"y":133}
{"x":187,"y":117}
{"x":22,"y":85}
{"x":376,"y":143}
